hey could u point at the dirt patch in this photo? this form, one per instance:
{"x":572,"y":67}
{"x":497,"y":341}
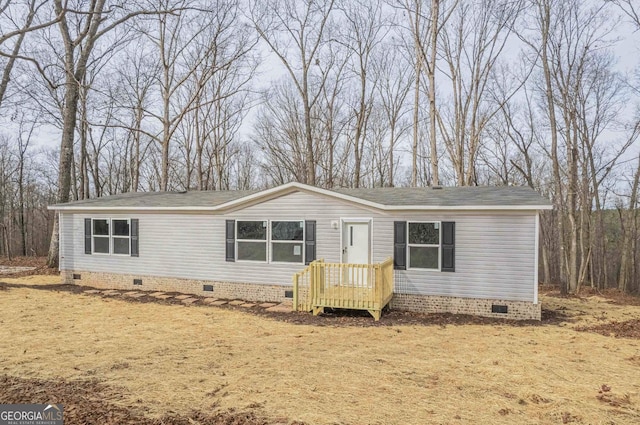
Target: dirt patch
{"x":91,"y":402}
{"x":612,"y":296}
{"x":606,"y":395}
{"x":8,"y":270}
{"x":627,"y":329}
{"x":332,"y":318}
{"x":38,"y":266}
{"x":592,"y":308}
{"x":23,"y":261}
{"x":32,"y":281}
{"x":359,"y":318}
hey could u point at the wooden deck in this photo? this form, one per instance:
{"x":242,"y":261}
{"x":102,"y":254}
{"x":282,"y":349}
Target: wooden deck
{"x":352,"y":286}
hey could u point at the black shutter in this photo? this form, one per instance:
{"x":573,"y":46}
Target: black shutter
{"x":231,"y":240}
{"x":87,"y":236}
{"x":134,"y":237}
{"x":309,"y":241}
{"x":448,"y":246}
{"x":400,"y":245}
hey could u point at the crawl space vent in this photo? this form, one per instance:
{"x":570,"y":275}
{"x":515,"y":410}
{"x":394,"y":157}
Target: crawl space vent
{"x":288,"y":294}
{"x":76,"y":276}
{"x":495,"y":308}
{"x":207,"y":288}
{"x":137,"y":281}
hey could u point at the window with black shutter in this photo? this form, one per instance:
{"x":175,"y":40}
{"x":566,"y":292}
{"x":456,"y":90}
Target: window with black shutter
{"x":428,"y":245}
{"x":117,"y":236}
{"x":400,"y":245}
{"x":271,"y":241}
{"x":310,"y":241}
{"x":87,"y":236}
{"x":230,"y":240}
{"x":448,"y":246}
{"x":135,"y":249}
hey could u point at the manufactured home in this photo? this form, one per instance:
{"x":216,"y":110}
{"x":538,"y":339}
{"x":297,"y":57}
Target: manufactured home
{"x":471,"y":250}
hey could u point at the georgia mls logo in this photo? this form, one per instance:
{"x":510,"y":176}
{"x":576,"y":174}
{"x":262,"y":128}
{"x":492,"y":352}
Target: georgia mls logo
{"x":31,"y":414}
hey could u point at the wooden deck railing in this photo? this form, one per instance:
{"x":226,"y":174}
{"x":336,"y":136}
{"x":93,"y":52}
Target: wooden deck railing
{"x":334,"y":285}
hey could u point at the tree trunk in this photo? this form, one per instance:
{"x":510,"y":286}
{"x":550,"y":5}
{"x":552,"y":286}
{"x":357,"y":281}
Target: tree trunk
{"x":360,"y":124}
{"x":75,"y":72}
{"x":392,"y":143}
{"x":416,"y":117}
{"x":311,"y":163}
{"x":545,"y":18}
{"x":166,"y":125}
{"x":435,"y":13}
{"x":21,"y":223}
{"x":66,"y":158}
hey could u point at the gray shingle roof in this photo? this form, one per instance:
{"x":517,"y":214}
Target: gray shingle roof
{"x":450,"y":196}
{"x":204,"y":198}
{"x":457,"y":197}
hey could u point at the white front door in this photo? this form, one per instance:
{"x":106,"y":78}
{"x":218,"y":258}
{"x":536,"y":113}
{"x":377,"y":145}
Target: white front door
{"x":356,"y":249}
{"x":355,"y":242}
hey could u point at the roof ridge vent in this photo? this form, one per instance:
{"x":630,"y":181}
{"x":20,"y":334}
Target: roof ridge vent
{"x":438,"y":187}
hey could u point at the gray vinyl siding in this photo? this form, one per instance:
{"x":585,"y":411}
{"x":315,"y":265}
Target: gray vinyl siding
{"x":495,"y":250}
{"x":495,"y":258}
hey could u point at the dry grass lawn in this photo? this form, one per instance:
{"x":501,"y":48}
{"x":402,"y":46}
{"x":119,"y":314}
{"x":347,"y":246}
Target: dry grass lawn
{"x":176,"y":358}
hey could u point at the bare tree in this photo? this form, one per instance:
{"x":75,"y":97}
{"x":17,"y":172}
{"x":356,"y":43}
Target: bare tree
{"x":472,"y":45}
{"x":296,"y":31}
{"x":426,"y":21}
{"x":81,"y":28}
{"x":574,"y":77}
{"x":630,"y":8}
{"x":22,"y":14}
{"x":394,"y":79}
{"x":365,"y":27}
{"x":194,"y":46}
{"x":132,"y":93}
{"x":333,"y":116}
{"x":7,"y":169}
{"x":629,"y":220}
{"x":25,"y":134}
{"x":279,"y":132}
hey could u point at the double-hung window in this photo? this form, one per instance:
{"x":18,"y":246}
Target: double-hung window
{"x":424,"y":245}
{"x":118,"y":236}
{"x":251,"y":239}
{"x":121,"y":238}
{"x":101,"y":236}
{"x":287,"y":241}
{"x":276,"y":241}
{"x":111,"y":236}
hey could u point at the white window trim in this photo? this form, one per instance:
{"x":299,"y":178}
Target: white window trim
{"x":128,"y":220}
{"x":110,"y":236}
{"x":266,"y":241}
{"x":93,"y":236}
{"x":439,"y":246}
{"x":271,"y":242}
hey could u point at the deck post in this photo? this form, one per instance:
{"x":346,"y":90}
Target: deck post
{"x":312,"y":282}
{"x":378,"y":283}
{"x":295,"y":292}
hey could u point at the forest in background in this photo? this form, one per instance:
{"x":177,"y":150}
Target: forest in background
{"x":107,"y":96}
